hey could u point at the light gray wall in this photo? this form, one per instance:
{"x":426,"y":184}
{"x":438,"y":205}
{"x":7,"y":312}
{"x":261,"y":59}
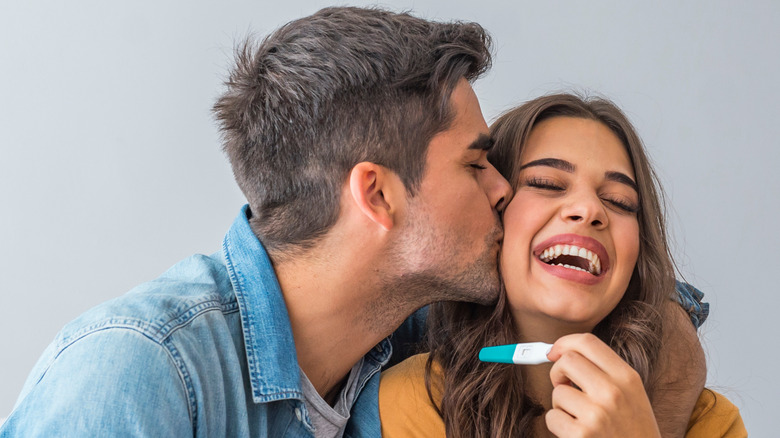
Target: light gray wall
{"x":110,"y":169}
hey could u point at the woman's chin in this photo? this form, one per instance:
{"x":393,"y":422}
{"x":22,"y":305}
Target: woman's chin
{"x":548,"y":326}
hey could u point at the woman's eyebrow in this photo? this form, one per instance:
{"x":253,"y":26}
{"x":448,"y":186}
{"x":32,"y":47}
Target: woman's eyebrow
{"x":621,"y":178}
{"x":556,"y":163}
{"x":566,"y":166}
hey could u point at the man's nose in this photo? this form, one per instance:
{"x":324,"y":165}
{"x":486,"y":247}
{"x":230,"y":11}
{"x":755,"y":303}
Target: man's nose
{"x":498,"y":189}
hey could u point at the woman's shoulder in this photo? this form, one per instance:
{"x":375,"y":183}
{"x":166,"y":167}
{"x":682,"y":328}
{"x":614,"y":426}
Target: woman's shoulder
{"x":411,"y":368}
{"x":405,"y":382}
{"x":715,"y":416}
{"x":405,"y":408}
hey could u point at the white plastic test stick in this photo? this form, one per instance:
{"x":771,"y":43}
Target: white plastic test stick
{"x":529,"y":353}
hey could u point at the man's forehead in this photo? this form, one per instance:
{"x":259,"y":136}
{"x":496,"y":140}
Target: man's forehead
{"x":464,"y":98}
{"x":469,"y":123}
{"x":467,"y":136}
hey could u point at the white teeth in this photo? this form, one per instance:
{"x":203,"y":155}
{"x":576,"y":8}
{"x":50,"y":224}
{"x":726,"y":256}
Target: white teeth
{"x":571,"y":267}
{"x":594,"y":263}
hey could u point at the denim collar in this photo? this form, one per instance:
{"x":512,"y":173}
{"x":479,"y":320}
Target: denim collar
{"x":272,"y":363}
{"x":270,"y":349}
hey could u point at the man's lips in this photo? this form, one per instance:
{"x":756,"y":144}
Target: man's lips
{"x":574,"y":257}
{"x":497,"y":235}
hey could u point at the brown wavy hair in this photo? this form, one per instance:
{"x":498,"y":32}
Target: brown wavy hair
{"x":489,"y":399}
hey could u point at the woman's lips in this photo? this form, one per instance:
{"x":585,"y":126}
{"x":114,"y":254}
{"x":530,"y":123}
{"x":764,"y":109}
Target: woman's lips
{"x":587,"y":258}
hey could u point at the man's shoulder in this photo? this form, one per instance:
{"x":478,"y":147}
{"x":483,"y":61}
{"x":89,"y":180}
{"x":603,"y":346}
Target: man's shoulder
{"x":193,"y":287}
{"x":164,"y":347}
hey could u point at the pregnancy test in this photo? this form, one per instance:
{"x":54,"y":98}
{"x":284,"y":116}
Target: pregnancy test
{"x":530,"y":353}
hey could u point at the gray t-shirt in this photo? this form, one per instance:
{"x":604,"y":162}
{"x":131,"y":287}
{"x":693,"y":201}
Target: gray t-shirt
{"x":329,"y":422}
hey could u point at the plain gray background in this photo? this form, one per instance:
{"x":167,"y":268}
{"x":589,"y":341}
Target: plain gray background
{"x":110,"y":167}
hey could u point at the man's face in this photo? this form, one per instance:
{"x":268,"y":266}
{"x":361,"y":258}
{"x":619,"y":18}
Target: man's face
{"x":450,"y":240}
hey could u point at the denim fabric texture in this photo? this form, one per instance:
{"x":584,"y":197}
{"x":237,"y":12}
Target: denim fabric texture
{"x":205,"y":350}
{"x":690,"y":299}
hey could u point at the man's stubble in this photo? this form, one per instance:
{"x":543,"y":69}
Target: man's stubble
{"x":432,"y":266}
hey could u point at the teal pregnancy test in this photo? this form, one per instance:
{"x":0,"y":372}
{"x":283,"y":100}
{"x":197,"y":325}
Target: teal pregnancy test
{"x":530,"y":353}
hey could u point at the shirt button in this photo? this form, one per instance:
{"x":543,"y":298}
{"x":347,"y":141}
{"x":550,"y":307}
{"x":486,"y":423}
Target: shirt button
{"x":298,"y":414}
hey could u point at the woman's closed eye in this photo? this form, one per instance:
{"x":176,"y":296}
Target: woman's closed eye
{"x":622,"y":204}
{"x":618,"y":202}
{"x":544,"y":184}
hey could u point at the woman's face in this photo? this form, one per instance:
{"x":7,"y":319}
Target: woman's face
{"x":571,"y":235}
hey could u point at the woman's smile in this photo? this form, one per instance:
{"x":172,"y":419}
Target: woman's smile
{"x":573,"y":257}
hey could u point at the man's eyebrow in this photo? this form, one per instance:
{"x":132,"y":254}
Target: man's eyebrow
{"x":621,"y":178}
{"x":483,"y":143}
{"x":550,"y":162}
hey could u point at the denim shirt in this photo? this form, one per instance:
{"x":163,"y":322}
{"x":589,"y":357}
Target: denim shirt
{"x":690,"y":299}
{"x":204,"y":350}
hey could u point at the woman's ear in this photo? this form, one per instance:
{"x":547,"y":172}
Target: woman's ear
{"x":373,"y":188}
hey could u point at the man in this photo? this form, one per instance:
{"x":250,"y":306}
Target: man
{"x":361,"y":148}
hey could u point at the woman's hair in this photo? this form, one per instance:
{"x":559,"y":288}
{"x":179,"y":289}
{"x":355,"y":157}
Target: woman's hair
{"x":489,"y":399}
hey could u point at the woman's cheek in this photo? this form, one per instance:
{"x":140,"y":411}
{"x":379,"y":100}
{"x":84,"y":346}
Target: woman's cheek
{"x":626,"y":238}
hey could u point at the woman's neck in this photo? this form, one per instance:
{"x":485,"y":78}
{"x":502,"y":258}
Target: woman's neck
{"x":536,"y":382}
{"x":542,"y":328}
{"x":536,"y":378}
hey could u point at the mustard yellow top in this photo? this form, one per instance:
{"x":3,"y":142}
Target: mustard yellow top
{"x":406,"y":410}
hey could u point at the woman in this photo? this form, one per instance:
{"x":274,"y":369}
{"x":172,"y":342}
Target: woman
{"x":585,"y":265}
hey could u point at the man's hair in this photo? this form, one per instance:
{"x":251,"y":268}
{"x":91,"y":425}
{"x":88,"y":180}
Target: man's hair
{"x":331,"y":90}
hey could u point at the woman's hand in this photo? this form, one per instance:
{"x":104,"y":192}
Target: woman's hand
{"x":610,"y":401}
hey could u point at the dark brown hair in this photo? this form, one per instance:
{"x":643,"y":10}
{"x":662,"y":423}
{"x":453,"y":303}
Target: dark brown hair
{"x":482,"y":399}
{"x":328,"y":91}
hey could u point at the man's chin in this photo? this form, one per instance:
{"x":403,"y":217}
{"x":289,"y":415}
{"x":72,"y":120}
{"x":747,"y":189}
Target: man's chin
{"x":487,"y":298}
{"x":483,"y":291}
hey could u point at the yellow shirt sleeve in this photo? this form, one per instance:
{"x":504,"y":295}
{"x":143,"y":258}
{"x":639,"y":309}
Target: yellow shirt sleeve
{"x":404,"y":407}
{"x":715,"y":416}
{"x":406,"y":411}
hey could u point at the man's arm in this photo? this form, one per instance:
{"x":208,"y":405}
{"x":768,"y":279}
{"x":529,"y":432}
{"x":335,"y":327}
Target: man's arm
{"x":682,"y":374}
{"x":114,"y":382}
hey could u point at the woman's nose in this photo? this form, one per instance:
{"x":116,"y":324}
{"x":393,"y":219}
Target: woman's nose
{"x":587,"y":209}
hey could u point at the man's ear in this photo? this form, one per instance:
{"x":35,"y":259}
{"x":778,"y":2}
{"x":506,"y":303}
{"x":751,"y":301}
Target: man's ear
{"x":373,"y":188}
